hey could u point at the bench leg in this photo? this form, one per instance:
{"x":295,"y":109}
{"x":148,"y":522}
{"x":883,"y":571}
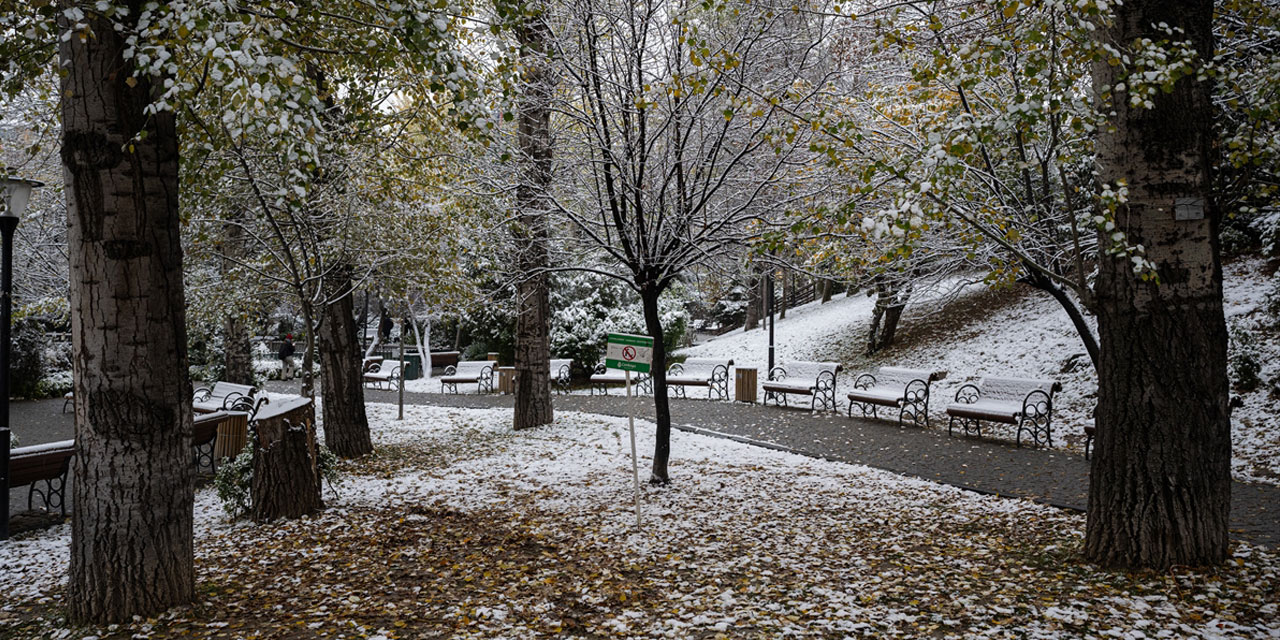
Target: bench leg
{"x":1088,"y":444}
{"x":971,"y":426}
{"x":53,"y":495}
{"x":1037,"y":428}
{"x":204,"y":455}
{"x":914,"y":412}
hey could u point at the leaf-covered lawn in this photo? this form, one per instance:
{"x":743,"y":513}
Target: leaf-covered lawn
{"x":459,"y":528}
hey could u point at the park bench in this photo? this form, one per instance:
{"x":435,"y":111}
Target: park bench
{"x":382,"y":374}
{"x":1025,"y":402}
{"x":907,"y":390}
{"x":224,"y":396}
{"x":561,"y":374}
{"x":814,"y":379}
{"x":478,"y":372}
{"x":604,"y":377}
{"x":204,"y":437}
{"x":712,"y":373}
{"x":47,"y":463}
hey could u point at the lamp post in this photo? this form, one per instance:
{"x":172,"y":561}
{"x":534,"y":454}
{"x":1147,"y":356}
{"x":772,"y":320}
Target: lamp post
{"x":14,"y":194}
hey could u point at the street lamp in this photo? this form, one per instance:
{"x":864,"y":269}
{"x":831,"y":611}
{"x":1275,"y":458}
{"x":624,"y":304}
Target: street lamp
{"x":14,"y":195}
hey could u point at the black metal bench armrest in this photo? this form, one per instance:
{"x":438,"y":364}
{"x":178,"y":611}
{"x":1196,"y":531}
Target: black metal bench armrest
{"x":201,"y":394}
{"x":968,"y":394}
{"x":450,"y":370}
{"x":675,"y":369}
{"x":864,"y":381}
{"x":777,"y":373}
{"x":1037,"y":404}
{"x":825,"y":380}
{"x":916,"y":391}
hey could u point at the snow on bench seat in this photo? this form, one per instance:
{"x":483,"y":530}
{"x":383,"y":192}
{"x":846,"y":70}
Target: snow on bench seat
{"x":561,"y":374}
{"x":382,"y":375}
{"x":712,"y":373}
{"x":814,"y":379}
{"x":605,"y":377}
{"x":223,"y":396}
{"x":906,"y":390}
{"x":1026,"y":402}
{"x":477,"y":372}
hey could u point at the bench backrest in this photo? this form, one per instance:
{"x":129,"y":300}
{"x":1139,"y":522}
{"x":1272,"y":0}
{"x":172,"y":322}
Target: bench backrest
{"x":800,"y":371}
{"x":556,"y":365}
{"x":704,"y":367}
{"x":223,"y":389}
{"x":39,"y":462}
{"x":475,"y":368}
{"x":902,"y":376}
{"x":1014,"y":390}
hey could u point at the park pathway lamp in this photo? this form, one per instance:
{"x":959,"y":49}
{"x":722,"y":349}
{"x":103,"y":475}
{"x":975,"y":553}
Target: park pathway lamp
{"x":14,"y":195}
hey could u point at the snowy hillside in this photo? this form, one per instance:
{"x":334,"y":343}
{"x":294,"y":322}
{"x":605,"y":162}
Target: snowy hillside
{"x":1019,"y":333}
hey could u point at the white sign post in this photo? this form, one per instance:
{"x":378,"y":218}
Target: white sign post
{"x":630,"y":353}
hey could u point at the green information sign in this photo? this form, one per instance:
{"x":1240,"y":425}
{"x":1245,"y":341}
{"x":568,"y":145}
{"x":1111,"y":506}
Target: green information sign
{"x":628,"y":352}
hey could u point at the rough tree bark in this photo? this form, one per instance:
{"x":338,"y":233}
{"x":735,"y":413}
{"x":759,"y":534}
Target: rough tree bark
{"x":890,"y":303}
{"x":826,"y":291}
{"x":755,"y":301}
{"x":131,"y":530}
{"x":346,"y":426}
{"x":649,"y":294}
{"x":286,"y":466}
{"x":238,"y":359}
{"x":533,"y":318}
{"x":1160,"y":489}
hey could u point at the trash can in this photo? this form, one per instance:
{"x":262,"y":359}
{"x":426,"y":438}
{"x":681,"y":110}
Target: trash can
{"x":412,"y":365}
{"x":745,"y":384}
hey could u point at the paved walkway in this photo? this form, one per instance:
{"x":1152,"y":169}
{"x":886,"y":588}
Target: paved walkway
{"x":1053,"y":477}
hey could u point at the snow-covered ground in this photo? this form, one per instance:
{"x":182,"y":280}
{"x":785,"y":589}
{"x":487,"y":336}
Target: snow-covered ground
{"x":459,"y":527}
{"x":1017,"y":334}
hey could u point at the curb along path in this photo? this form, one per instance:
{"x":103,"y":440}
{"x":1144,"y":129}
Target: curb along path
{"x":1053,"y":477}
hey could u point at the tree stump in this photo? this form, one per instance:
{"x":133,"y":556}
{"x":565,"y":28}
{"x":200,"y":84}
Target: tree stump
{"x":286,"y":462}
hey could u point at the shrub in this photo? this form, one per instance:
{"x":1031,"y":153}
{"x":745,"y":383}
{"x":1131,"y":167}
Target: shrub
{"x":1242,"y":358}
{"x":26,"y":358}
{"x":587,"y":307}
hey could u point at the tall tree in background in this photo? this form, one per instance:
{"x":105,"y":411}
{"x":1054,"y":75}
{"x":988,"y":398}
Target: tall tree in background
{"x":530,"y":227}
{"x":1160,"y":490}
{"x":131,"y":538}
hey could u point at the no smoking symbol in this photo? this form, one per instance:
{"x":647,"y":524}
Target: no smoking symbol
{"x":629,"y":353}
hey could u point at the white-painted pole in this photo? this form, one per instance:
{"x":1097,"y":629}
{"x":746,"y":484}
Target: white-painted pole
{"x":635,"y":463}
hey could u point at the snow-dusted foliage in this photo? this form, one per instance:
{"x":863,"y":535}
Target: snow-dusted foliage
{"x":587,"y":307}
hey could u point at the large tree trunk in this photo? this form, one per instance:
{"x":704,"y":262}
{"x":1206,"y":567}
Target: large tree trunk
{"x":239,"y":350}
{"x":826,"y":291}
{"x":1160,"y":489}
{"x":238,"y":358}
{"x":346,"y":427}
{"x":286,"y":466}
{"x":533,"y":319}
{"x":131,"y":530}
{"x":661,"y":404}
{"x":754,"y":301}
{"x":886,"y":314}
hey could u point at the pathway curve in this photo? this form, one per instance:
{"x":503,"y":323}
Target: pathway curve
{"x":996,"y":467}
